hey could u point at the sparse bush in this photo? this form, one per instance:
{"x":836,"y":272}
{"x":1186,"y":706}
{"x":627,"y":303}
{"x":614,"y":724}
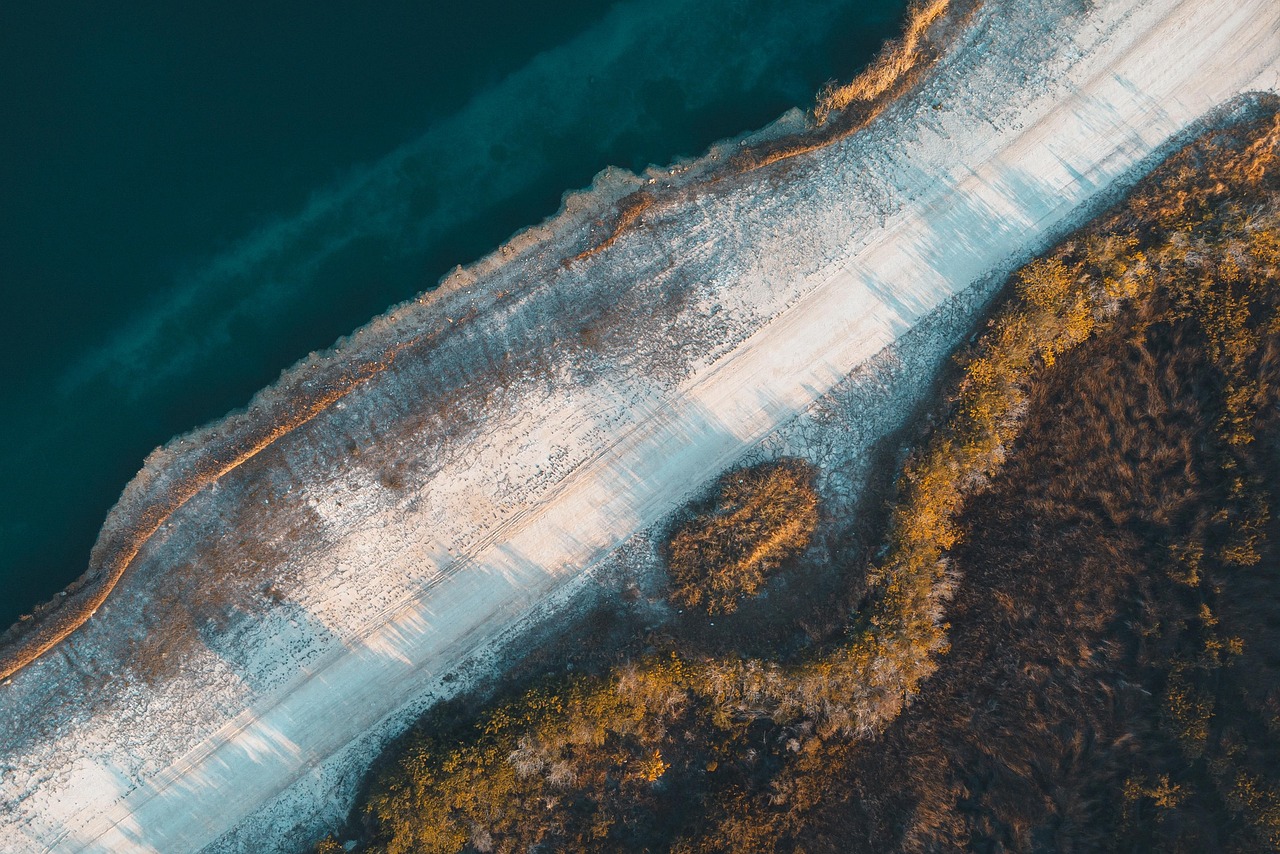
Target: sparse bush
{"x":329,"y":845}
{"x":762,"y":517}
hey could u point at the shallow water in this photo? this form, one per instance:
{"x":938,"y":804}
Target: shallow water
{"x":191,"y":201}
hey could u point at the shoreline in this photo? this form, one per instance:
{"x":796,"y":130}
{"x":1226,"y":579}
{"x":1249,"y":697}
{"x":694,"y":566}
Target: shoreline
{"x":566,"y":407}
{"x":201,"y":457}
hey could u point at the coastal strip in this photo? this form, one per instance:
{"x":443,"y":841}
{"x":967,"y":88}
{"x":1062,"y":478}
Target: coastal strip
{"x":298,"y":612}
{"x":176,"y":473}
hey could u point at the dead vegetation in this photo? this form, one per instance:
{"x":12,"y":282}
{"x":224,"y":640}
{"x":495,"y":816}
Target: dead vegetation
{"x":629,"y":210}
{"x":762,"y":517}
{"x":1096,"y":502}
{"x":1111,"y":683}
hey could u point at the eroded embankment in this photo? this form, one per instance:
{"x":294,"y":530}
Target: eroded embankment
{"x":174,"y":474}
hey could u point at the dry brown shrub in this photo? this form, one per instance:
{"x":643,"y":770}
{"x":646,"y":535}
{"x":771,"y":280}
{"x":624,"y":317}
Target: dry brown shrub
{"x":763,"y":516}
{"x":841,"y":110}
{"x":1077,"y":501}
{"x":894,"y":63}
{"x":629,"y":210}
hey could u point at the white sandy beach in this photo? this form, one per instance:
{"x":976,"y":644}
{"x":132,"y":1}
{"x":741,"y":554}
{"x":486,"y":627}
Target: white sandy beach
{"x":789,"y":279}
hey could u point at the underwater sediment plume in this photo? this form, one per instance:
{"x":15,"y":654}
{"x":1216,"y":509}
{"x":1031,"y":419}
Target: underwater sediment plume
{"x":279,"y":595}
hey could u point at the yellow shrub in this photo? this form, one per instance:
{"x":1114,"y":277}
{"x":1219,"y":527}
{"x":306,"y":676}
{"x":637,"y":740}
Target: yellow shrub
{"x":762,"y":517}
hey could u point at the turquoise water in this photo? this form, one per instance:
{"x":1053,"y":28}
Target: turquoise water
{"x":193,"y":199}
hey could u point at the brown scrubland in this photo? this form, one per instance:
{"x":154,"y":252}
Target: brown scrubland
{"x":762,"y":517}
{"x":1067,"y":642}
{"x":1111,"y":683}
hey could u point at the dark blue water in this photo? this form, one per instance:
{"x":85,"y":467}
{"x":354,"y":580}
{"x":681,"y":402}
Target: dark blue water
{"x":194,"y":196}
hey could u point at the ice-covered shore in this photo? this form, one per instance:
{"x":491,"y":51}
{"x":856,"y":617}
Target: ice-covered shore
{"x":459,"y":463}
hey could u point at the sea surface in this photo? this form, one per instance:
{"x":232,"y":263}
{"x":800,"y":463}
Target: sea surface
{"x":193,"y":196}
